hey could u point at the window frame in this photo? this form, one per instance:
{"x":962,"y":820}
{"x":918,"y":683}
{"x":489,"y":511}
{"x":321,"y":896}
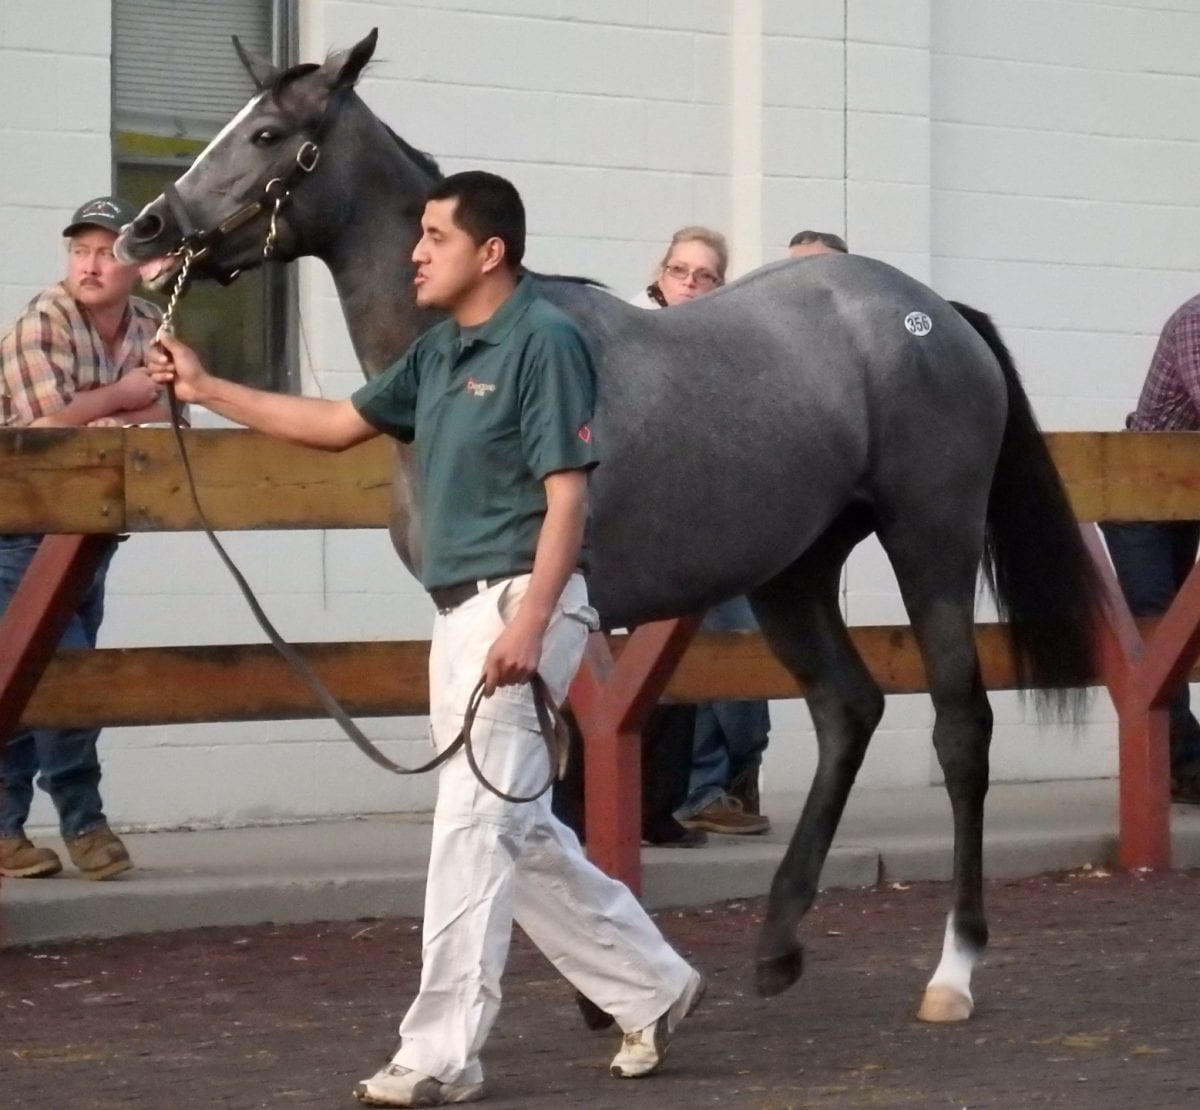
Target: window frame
{"x":279,"y":368}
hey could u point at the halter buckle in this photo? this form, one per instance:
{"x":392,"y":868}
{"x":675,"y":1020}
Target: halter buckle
{"x":308,"y":156}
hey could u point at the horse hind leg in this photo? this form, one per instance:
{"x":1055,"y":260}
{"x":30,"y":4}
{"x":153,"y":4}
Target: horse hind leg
{"x":936,"y":568}
{"x":803,"y":624}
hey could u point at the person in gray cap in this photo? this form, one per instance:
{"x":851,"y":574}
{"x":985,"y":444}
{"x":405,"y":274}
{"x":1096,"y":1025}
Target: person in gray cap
{"x":75,"y":356}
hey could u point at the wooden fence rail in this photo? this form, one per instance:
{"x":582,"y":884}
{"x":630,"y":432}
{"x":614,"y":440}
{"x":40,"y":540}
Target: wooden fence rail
{"x":105,"y":480}
{"x":81,"y":484}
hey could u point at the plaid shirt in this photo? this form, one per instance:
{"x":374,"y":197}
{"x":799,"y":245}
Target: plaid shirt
{"x":1170,"y":400}
{"x":53,"y":352}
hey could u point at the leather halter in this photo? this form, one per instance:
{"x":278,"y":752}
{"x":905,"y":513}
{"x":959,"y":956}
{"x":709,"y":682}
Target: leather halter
{"x":275,"y":194}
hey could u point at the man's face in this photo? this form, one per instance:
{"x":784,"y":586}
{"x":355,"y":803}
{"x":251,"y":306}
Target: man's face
{"x":94,"y":276}
{"x":450,"y":264}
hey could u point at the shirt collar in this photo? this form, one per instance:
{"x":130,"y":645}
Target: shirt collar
{"x":496,"y":328}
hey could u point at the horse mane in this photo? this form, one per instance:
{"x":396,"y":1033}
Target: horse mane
{"x":425,"y":161}
{"x":570,"y":279}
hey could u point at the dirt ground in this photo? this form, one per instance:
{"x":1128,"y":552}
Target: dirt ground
{"x":1087,"y":998}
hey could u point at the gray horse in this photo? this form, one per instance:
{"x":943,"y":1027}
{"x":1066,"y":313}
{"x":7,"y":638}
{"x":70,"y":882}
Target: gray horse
{"x":750,"y":440}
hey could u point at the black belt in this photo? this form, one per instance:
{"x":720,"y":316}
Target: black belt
{"x":451,"y":597}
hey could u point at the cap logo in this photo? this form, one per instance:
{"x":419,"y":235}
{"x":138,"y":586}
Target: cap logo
{"x":100,"y":208}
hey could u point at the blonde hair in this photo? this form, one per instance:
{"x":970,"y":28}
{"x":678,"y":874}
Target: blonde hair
{"x":714,"y":240}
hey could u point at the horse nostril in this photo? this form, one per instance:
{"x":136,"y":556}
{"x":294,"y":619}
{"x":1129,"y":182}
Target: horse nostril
{"x":147,"y":227}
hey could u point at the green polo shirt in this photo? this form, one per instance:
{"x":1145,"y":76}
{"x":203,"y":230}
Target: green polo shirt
{"x":491,"y":410}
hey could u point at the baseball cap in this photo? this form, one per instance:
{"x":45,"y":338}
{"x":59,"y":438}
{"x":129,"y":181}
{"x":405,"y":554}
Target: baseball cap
{"x":110,"y":213}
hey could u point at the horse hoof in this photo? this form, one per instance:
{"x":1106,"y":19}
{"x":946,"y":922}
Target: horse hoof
{"x":944,"y":1004}
{"x":594,"y":1017}
{"x":774,"y":974}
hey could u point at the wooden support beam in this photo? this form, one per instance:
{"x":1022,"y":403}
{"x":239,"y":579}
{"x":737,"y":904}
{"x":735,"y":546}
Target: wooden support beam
{"x":34,"y":621}
{"x":250,"y":682}
{"x":1144,"y":838}
{"x":233,"y":682}
{"x":611,"y":700}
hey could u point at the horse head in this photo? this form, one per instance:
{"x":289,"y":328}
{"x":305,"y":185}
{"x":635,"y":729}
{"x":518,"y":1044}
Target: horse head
{"x":267,"y":185}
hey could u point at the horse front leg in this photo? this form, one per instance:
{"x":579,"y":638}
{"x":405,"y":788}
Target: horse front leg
{"x":804,"y":626}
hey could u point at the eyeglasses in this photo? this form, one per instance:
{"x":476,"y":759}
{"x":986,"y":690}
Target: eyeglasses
{"x":705,"y":279}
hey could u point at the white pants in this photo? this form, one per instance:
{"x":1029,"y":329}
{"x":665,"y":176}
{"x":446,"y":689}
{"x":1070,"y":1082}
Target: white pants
{"x":494,"y":862}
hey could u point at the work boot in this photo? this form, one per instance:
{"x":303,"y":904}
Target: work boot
{"x":744,"y":787}
{"x":396,"y":1085}
{"x":99,"y":854}
{"x":725,"y":815}
{"x":20,"y":859}
{"x":644,"y":1050}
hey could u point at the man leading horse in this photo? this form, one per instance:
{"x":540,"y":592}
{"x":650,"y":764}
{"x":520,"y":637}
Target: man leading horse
{"x":497,"y":401}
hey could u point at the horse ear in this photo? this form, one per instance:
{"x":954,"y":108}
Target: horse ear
{"x":262,"y":72}
{"x":342,"y":69}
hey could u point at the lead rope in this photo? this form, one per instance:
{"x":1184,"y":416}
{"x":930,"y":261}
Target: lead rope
{"x":550,"y":721}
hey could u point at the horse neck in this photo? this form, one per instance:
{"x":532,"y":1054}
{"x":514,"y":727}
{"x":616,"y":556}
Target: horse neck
{"x":370,"y":257}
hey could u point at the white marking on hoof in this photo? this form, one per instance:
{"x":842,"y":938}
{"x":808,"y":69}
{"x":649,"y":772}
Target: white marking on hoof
{"x":944,"y":1004}
{"x":948,"y":994}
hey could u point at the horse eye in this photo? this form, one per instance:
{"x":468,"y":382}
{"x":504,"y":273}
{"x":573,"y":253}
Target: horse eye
{"x":265,"y":137}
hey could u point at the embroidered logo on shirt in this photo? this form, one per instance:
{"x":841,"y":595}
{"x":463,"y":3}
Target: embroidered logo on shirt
{"x":480,"y":389}
{"x":585,"y":433}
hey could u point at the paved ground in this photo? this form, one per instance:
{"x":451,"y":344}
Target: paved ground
{"x":344,"y":870}
{"x":1088,"y":998}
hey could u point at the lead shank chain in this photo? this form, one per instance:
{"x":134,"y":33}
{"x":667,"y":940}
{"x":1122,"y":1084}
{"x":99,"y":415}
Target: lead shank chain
{"x":167,"y":327}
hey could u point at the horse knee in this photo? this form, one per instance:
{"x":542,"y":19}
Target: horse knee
{"x":869,"y":708}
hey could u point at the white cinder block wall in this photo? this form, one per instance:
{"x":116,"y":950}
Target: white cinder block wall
{"x":1033,"y":157}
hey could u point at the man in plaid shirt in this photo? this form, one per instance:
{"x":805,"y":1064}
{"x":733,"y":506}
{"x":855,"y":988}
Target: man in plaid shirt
{"x":76,"y":356}
{"x":1152,"y":558}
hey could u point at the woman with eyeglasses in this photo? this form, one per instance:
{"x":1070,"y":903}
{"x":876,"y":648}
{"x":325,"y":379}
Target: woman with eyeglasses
{"x":709,"y":784}
{"x":694,"y":264}
{"x":700,"y":763}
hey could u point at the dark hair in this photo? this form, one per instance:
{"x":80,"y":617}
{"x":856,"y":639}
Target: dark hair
{"x":489,"y":207}
{"x":833,"y":242}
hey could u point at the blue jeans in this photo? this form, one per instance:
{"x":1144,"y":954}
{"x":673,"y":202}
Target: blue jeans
{"x":66,"y":758}
{"x":730,"y":736}
{"x":1152,"y":559}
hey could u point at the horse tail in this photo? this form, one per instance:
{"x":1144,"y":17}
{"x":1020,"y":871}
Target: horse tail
{"x":1035,"y":562}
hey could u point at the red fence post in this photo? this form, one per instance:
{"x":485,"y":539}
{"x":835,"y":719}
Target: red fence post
{"x":1142,"y":675}
{"x":1144,"y":787}
{"x":611,"y":701}
{"x":32,"y":625}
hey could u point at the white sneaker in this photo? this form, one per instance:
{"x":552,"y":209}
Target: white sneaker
{"x":396,"y":1085}
{"x":644,"y":1050}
